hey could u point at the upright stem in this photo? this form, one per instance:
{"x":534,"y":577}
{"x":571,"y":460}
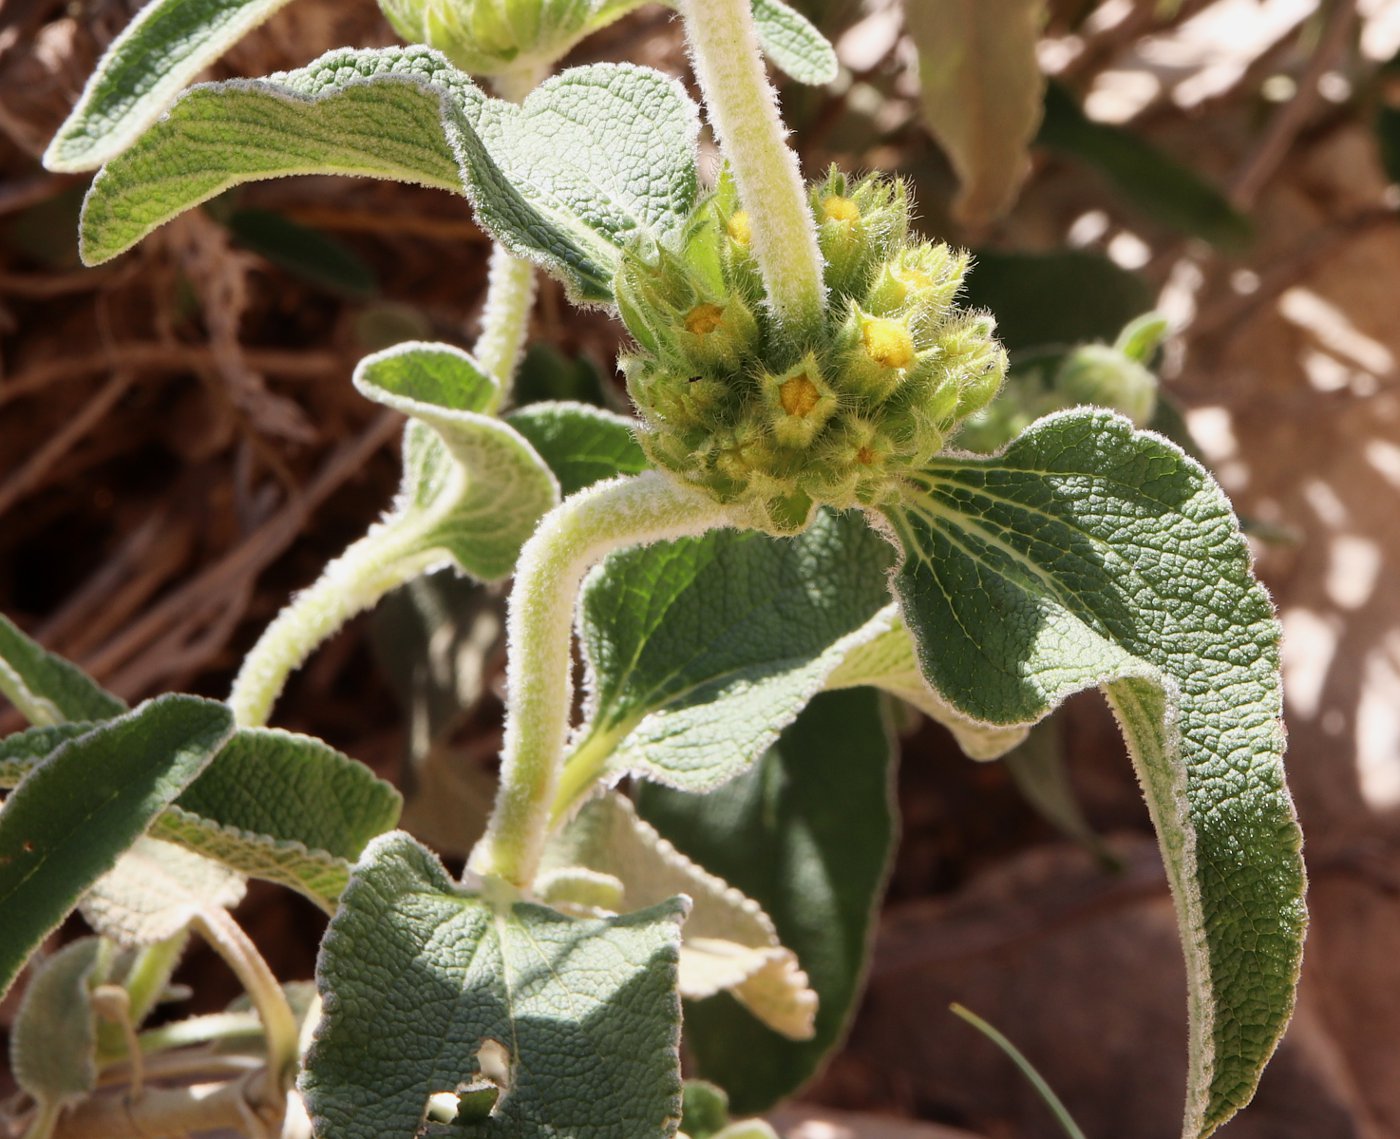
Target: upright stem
{"x":743,"y":109}
{"x":505,"y":320}
{"x":385,"y":558}
{"x":571,"y":539}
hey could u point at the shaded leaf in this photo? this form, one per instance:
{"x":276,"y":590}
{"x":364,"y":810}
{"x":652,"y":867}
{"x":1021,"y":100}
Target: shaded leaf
{"x":1091,"y":554}
{"x":1147,"y":178}
{"x":807,"y":833}
{"x":430,"y":988}
{"x":980,"y":93}
{"x":581,"y":444}
{"x":46,"y":688}
{"x":304,"y":252}
{"x":68,"y":822}
{"x":53,"y":1044}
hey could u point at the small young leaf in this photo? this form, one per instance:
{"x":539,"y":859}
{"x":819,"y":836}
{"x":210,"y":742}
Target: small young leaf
{"x":807,"y":833}
{"x":160,"y":51}
{"x":429,"y":988}
{"x":153,"y":891}
{"x":701,"y":651}
{"x":53,"y":1045}
{"x":887,"y":661}
{"x":1148,"y":179}
{"x":728,"y":944}
{"x":472,"y":485}
{"x":793,"y":43}
{"x":1092,"y":554}
{"x":46,"y":688}
{"x":594,"y":157}
{"x":581,"y":444}
{"x":67,"y":823}
{"x":981,"y":94}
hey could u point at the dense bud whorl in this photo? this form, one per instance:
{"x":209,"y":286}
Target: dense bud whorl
{"x":834,"y":415}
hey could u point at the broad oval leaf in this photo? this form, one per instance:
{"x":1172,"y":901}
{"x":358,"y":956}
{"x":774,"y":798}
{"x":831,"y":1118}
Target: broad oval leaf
{"x":593,"y":157}
{"x":154,"y":890}
{"x":808,"y":833}
{"x":980,"y":91}
{"x":159,"y":52}
{"x":1093,"y":554}
{"x":85,"y":804}
{"x":700,"y":651}
{"x":46,"y":688}
{"x":472,"y":486}
{"x":430,"y":988}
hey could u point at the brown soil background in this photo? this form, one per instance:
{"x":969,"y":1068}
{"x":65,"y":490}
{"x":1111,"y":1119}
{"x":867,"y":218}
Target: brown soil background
{"x":180,"y":448}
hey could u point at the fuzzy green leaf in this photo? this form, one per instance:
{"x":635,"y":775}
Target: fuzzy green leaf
{"x":793,"y":43}
{"x":269,"y":834}
{"x":46,"y":688}
{"x":1091,"y":554}
{"x":160,"y":51}
{"x":593,"y":157}
{"x":472,"y":486}
{"x":430,"y":988}
{"x":581,"y":444}
{"x":701,"y":651}
{"x":53,"y":1044}
{"x":285,"y":808}
{"x":807,"y":833}
{"x":68,"y":822}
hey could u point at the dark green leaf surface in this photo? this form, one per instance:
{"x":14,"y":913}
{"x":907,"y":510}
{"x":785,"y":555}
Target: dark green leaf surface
{"x":418,"y":974}
{"x":1093,"y":555}
{"x":304,"y":252}
{"x":581,"y":444}
{"x":46,"y":688}
{"x":701,"y":650}
{"x":68,"y":822}
{"x":807,"y":833}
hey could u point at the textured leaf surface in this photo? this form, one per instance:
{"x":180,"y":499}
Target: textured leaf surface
{"x":46,"y":688}
{"x":887,"y":661}
{"x":581,"y":444}
{"x":67,"y":823}
{"x":700,"y":651}
{"x":728,"y":943}
{"x":272,"y":805}
{"x":472,"y":486}
{"x":807,"y":833}
{"x":160,"y":51}
{"x":1091,"y":554}
{"x":418,"y":974}
{"x":53,"y":1044}
{"x":980,"y":91}
{"x":154,"y":890}
{"x":793,"y":43}
{"x":593,"y":157}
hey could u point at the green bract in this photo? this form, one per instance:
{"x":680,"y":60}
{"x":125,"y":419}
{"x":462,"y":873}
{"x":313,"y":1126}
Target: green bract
{"x":783,"y":421}
{"x":490,"y":36}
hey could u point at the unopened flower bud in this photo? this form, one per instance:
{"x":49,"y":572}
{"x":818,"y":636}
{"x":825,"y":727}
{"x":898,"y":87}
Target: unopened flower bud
{"x":489,"y":37}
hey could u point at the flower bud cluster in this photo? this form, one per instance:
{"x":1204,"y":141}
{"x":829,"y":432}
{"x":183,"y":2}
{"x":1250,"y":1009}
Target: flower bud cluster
{"x":832,"y":415}
{"x":489,"y":37}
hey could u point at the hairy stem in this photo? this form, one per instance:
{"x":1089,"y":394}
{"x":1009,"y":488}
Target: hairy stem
{"x":505,"y":320}
{"x":571,"y":539}
{"x":743,"y":109}
{"x":389,"y":555}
